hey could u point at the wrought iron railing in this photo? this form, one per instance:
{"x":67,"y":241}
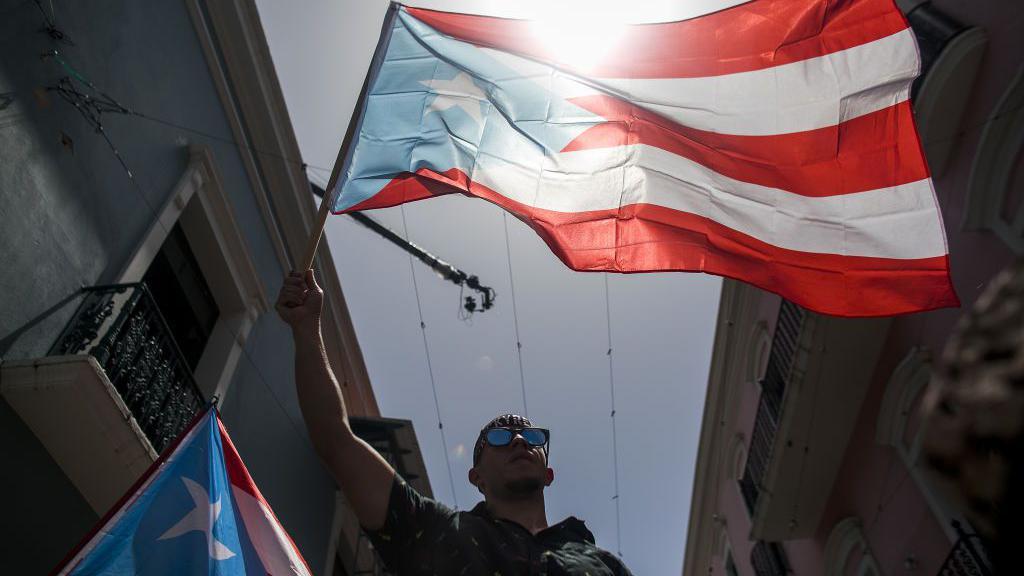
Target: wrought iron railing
{"x":768,"y":559}
{"x":121,"y":326}
{"x":967,"y":558}
{"x":769,"y":407}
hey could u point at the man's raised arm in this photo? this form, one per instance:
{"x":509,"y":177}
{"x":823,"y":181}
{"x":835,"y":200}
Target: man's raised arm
{"x":363,"y":475}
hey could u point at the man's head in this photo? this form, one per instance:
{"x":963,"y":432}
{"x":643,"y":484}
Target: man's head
{"x":510,"y":459}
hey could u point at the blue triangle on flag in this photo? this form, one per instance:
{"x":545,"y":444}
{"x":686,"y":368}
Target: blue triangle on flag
{"x":195,"y":511}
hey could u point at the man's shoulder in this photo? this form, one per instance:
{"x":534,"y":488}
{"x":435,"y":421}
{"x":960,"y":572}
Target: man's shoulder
{"x":577,"y":528}
{"x":408,"y":493}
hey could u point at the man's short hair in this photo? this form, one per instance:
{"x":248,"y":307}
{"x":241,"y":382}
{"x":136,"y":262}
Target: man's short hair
{"x":503,"y":421}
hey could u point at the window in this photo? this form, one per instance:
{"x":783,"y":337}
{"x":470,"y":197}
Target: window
{"x":739,"y":456}
{"x":182,"y":295}
{"x":898,"y":416}
{"x":847,"y":550}
{"x":201,"y":274}
{"x":758,"y":347}
{"x":994,"y":191}
{"x":899,"y":425}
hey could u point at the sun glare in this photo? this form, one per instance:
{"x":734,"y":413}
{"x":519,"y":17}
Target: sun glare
{"x":578,"y":35}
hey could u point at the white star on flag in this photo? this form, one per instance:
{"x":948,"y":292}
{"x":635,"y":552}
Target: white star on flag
{"x":201,"y":518}
{"x":459,"y":92}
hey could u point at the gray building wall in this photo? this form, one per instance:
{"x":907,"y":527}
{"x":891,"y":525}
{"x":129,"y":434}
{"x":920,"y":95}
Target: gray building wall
{"x":70,"y":217}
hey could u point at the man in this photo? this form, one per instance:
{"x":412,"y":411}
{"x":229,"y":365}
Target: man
{"x":506,"y":534}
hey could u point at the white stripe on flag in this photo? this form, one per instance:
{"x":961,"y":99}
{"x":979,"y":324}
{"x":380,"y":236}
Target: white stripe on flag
{"x":268,"y":537}
{"x":899,"y":222}
{"x":805,"y":95}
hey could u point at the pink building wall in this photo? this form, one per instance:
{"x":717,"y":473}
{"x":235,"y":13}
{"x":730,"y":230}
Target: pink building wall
{"x":874,"y":484}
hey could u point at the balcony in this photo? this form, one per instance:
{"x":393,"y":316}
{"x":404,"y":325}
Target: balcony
{"x":769,"y":407}
{"x":122,"y":327}
{"x":819,"y":369}
{"x":113,"y":392}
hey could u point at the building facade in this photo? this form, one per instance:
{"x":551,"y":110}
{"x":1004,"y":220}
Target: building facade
{"x":153,"y":197}
{"x":809,"y":450}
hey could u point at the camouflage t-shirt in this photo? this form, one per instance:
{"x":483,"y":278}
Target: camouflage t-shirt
{"x":422,"y":536}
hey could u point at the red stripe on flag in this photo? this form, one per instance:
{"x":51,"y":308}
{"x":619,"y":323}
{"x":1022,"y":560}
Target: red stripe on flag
{"x":649,"y":238}
{"x":876,"y":150}
{"x":752,"y":36}
{"x":412,"y":187}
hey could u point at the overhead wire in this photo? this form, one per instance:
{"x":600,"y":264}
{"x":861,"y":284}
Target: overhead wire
{"x":107,"y":104}
{"x":231,"y":141}
{"x":515,"y":315}
{"x":94,"y":103}
{"x":430,"y":366}
{"x":50,"y":27}
{"x":615,"y":439}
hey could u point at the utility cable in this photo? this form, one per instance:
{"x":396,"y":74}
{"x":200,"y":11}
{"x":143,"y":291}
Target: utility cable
{"x":430,"y":366}
{"x":515,"y":314}
{"x":100,"y":102}
{"x":615,"y":439}
{"x":50,"y":24}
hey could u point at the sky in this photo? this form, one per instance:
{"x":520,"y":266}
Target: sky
{"x":661,"y":325}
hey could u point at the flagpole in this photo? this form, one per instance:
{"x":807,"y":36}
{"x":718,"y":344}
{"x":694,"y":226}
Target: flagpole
{"x":354,"y":121}
{"x":328,"y":200}
{"x":325,"y":205}
{"x":318,"y":229}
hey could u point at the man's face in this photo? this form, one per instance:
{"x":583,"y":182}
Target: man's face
{"x":517,"y":470}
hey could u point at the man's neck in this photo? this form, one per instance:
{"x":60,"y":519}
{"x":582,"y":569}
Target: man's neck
{"x":527,"y":512}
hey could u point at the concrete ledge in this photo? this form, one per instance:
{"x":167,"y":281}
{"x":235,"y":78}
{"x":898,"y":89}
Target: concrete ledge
{"x":70,"y":405}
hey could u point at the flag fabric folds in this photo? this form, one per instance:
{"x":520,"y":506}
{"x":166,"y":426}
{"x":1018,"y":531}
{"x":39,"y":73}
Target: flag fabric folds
{"x":771,"y":142}
{"x":195,"y":511}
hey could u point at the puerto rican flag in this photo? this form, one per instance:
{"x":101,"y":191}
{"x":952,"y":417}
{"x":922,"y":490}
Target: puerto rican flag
{"x":771,"y":141}
{"x":195,"y":511}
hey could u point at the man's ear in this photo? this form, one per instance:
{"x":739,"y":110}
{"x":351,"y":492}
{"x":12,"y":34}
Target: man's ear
{"x":474,"y":479}
{"x":549,"y":475}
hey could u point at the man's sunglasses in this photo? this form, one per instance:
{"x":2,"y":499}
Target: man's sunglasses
{"x":503,"y":436}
